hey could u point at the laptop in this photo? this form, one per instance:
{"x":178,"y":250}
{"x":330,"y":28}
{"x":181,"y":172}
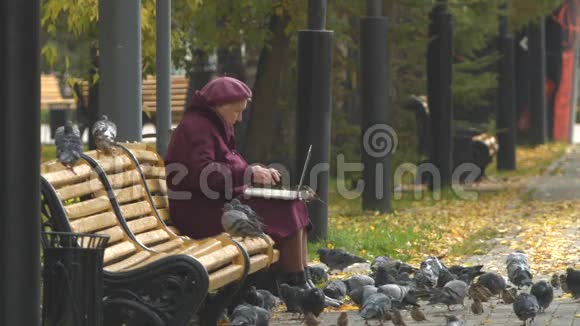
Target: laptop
{"x":284,"y":194}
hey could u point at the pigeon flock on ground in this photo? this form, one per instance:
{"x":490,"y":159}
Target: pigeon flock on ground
{"x":393,"y":289}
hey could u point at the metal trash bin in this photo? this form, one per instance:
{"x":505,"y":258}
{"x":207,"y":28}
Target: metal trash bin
{"x":72,"y":278}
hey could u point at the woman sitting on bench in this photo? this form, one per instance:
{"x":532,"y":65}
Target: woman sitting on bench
{"x":203,"y":142}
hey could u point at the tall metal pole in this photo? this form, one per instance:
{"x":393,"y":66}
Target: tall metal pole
{"x":120,"y":66}
{"x":506,"y":113}
{"x":538,"y":108}
{"x":440,"y":93}
{"x":20,"y":162}
{"x":313,"y":114}
{"x":376,"y":110}
{"x":163,"y":73}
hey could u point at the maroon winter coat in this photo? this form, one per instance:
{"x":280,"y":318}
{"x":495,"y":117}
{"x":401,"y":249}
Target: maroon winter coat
{"x":202,"y":140}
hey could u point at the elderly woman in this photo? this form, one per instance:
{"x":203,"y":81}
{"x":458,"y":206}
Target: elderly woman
{"x":204,"y":147}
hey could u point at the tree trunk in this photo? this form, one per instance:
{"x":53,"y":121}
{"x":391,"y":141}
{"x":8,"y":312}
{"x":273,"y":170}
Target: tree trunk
{"x":261,"y":137}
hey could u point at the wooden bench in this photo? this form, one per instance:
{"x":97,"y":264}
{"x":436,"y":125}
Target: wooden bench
{"x":150,"y":272}
{"x":179,"y":85}
{"x":50,"y":94}
{"x":470,"y":144}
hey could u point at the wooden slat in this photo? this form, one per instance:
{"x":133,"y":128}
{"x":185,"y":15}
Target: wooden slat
{"x":153,"y":171}
{"x":124,"y":179}
{"x":254,"y":245}
{"x":157,"y":186}
{"x":152,"y":237}
{"x":160,"y":201}
{"x":204,"y":248}
{"x":81,"y":189}
{"x":145,"y":156}
{"x":219,"y":258}
{"x":143,"y":224}
{"x":169,"y":245}
{"x":224,"y":276}
{"x":258,"y":262}
{"x":164,"y":213}
{"x":67,"y":177}
{"x":150,"y":260}
{"x":116,"y":233}
{"x":130,"y":211}
{"x":129,"y":262}
{"x":130,"y":194}
{"x":87,"y":207}
{"x":118,"y":251}
{"x":94,"y":222}
{"x":110,"y":164}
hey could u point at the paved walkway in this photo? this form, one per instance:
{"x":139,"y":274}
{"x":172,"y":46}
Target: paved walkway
{"x":561,"y":182}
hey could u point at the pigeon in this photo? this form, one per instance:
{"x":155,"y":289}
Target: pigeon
{"x":248,"y":315}
{"x":398,"y":318}
{"x":395,"y":291}
{"x":311,"y":320}
{"x":380,"y":261}
{"x":237,"y":224}
{"x":425,"y":278}
{"x":544,"y":293}
{"x":509,"y":295}
{"x":404,"y":279}
{"x":69,"y":146}
{"x":237,"y":205}
{"x":317,"y":274}
{"x":563,"y":283}
{"x":493,"y":282}
{"x":417,"y":314}
{"x":573,"y":282}
{"x":518,"y":270}
{"x":291,"y":296}
{"x":466,"y":274}
{"x":342,"y":319}
{"x":479,"y":292}
{"x":105,"y":134}
{"x":337,"y":258}
{"x":358,"y":281}
{"x":434,"y":264}
{"x":375,"y":307}
{"x":452,"y":293}
{"x":360,"y":295}
{"x":335,"y":289}
{"x":555,"y":281}
{"x":261,"y":298}
{"x":445,"y":276}
{"x":384,"y":275}
{"x":526,"y":307}
{"x":312,"y":301}
{"x":477,"y":307}
{"x":454,"y":321}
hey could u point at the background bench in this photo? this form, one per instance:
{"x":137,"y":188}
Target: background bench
{"x":471,"y":144}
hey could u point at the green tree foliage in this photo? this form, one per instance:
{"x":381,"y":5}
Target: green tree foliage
{"x":200,"y":26}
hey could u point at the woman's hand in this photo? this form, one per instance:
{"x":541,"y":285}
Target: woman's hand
{"x":262,"y":175}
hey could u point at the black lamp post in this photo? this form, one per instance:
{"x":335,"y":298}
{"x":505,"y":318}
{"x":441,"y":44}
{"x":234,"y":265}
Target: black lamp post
{"x":440,"y":93}
{"x":313,"y":114}
{"x":163,"y":74}
{"x":120,"y":66}
{"x":20,"y":162}
{"x":376,"y":110}
{"x":538,"y":109}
